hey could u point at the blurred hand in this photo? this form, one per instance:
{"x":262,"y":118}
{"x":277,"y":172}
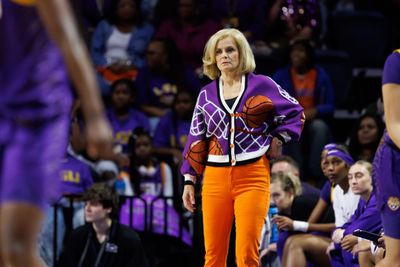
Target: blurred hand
{"x":381,"y":242}
{"x":99,"y":138}
{"x":337,"y":235}
{"x":330,"y":248}
{"x":348,"y":242}
{"x":362,"y":246}
{"x":275,"y":149}
{"x":188,"y":198}
{"x":283,"y":222}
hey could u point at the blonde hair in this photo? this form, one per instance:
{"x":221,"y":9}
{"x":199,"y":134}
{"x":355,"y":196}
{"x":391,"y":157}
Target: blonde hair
{"x":287,"y":182}
{"x":246,"y":57}
{"x":366,"y":164}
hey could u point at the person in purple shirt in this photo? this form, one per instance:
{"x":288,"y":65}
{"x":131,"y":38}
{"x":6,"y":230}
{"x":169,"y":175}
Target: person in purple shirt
{"x":123,"y":118}
{"x":172,"y":130}
{"x":189,"y":29}
{"x":386,"y":163}
{"x":75,"y":176}
{"x":159,"y":82}
{"x":366,"y":217}
{"x":37,"y":37}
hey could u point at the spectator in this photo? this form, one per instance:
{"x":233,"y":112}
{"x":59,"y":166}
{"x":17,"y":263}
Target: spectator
{"x":123,"y":118}
{"x":312,"y":87}
{"x":103,"y":241}
{"x":289,"y":21}
{"x":119,"y":43}
{"x":159,"y":81}
{"x":75,"y":177}
{"x":171,"y":133}
{"x":152,"y":181}
{"x":189,"y":29}
{"x":366,"y":137}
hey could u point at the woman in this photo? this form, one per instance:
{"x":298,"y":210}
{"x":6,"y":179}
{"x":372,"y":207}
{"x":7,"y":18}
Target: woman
{"x":239,"y":120}
{"x":119,"y":43}
{"x":366,"y":216}
{"x":366,"y":136}
{"x":310,"y":247}
{"x":386,"y":170}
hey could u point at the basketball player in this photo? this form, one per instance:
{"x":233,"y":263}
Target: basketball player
{"x":34,"y":116}
{"x":240,"y":120}
{"x":387,"y":162}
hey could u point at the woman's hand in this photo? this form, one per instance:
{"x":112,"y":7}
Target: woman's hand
{"x":275,"y":149}
{"x":283,"y":222}
{"x":188,"y":198}
{"x":348,"y":242}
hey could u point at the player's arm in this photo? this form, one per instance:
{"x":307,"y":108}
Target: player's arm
{"x":391,"y":96}
{"x":58,"y":19}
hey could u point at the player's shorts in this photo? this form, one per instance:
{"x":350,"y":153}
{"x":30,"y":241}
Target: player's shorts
{"x":386,"y":174}
{"x":30,"y":155}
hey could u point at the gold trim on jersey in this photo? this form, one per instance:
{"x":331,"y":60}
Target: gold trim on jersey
{"x":397,"y":50}
{"x":25,"y":2}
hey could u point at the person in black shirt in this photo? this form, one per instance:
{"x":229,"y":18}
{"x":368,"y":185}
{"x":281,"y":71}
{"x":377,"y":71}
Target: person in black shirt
{"x":103,"y":242}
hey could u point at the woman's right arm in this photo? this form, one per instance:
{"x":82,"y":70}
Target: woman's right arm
{"x":318,"y":211}
{"x":194,"y":155}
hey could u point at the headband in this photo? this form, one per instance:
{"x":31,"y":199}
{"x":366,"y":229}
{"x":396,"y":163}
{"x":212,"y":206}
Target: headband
{"x":340,"y":154}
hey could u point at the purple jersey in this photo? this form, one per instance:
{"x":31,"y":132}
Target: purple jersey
{"x":171,"y":132}
{"x":391,"y":74}
{"x":34,"y":107}
{"x":122,"y":129}
{"x":34,"y":83}
{"x":386,"y":169}
{"x":75,"y":176}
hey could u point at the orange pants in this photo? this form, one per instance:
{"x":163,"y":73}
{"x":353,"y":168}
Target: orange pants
{"x":240,"y":191}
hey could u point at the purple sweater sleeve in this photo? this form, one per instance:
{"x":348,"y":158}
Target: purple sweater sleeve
{"x":366,"y":217}
{"x":289,"y":116}
{"x":196,"y":134}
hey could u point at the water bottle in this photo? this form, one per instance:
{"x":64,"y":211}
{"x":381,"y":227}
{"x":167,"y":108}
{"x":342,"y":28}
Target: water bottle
{"x":119,"y":186}
{"x":273,"y":210}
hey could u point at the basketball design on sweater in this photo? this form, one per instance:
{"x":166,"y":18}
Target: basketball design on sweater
{"x":197,"y":155}
{"x":256,"y":109}
{"x":214,"y":147}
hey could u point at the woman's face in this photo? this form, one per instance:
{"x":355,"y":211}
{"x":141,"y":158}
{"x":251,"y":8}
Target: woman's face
{"x":360,"y":180}
{"x":143,"y":147}
{"x":282,"y":199}
{"x":156,"y":55}
{"x":126,"y":9}
{"x":227,"y":55}
{"x":298,"y":56}
{"x":336,"y":169}
{"x":367,"y":131}
{"x":121,"y":96}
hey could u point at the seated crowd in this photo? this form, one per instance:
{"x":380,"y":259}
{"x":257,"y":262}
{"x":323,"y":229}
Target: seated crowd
{"x":148,"y":61}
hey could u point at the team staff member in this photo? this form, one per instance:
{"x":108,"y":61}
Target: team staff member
{"x":240,"y":120}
